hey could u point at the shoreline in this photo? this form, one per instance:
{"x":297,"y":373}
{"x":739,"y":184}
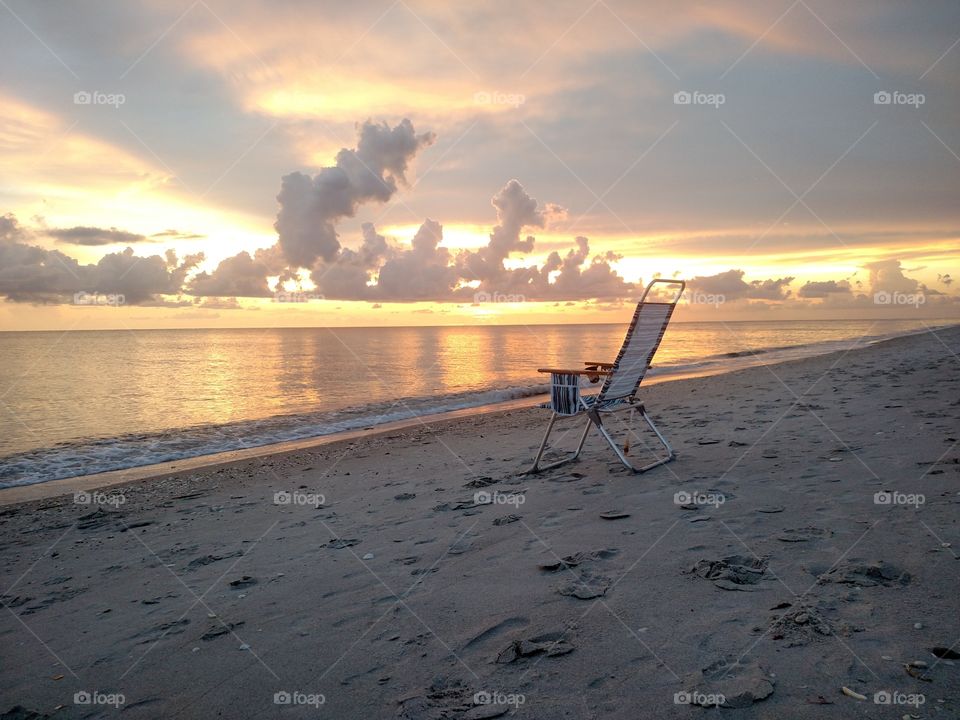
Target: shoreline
{"x":64,"y":486}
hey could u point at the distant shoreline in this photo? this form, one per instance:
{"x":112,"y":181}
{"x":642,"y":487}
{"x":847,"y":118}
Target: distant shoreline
{"x":936,"y":322}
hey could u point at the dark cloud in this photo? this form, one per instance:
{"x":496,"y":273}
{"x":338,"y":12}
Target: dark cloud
{"x":10,"y":229}
{"x":93,"y":236}
{"x":177,"y":235}
{"x":311,"y":207}
{"x":33,"y":274}
{"x":731,"y":286}
{"x":824,"y":288}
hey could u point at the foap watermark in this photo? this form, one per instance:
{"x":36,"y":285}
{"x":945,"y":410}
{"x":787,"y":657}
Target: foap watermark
{"x":296,"y":296}
{"x":485,"y":697}
{"x":895,"y":97}
{"x":496,"y":97}
{"x":497,"y":297}
{"x":697,"y":497}
{"x":83,"y":97}
{"x":96,"y":697}
{"x":895,"y":697}
{"x":295,"y":497}
{"x":893,"y":497}
{"x":98,"y":497}
{"x":296,"y":697}
{"x":696,"y":97}
{"x":695,"y":697}
{"x":884,"y":297}
{"x":701,"y":298}
{"x":485,"y":497}
{"x":99,"y":299}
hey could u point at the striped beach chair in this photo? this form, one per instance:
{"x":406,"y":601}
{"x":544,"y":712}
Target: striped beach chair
{"x":621,"y":380}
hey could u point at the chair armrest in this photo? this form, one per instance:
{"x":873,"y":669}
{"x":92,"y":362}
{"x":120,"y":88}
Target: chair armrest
{"x":585,"y":371}
{"x":598,"y":364}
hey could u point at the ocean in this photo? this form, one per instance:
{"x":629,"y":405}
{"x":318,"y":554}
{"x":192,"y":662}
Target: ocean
{"x":82,"y":402}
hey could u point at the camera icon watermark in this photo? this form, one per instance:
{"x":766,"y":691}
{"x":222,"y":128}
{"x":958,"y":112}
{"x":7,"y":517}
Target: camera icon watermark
{"x":83,"y":97}
{"x":884,"y":297}
{"x":295,"y":697}
{"x":98,"y":497}
{"x":485,"y":497}
{"x":295,"y":497}
{"x":696,"y":497}
{"x":696,"y":97}
{"x":486,"y":697}
{"x":895,"y":697}
{"x":483,"y":296}
{"x":296,"y":296}
{"x":695,"y":697}
{"x":701,"y":298}
{"x":496,"y":97}
{"x":99,"y":299}
{"x":885,"y":97}
{"x":95,"y":697}
{"x":888,"y":497}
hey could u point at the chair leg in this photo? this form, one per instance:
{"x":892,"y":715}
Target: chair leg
{"x":595,"y":417}
{"x":537,"y":467}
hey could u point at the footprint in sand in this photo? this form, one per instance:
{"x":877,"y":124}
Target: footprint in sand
{"x":341,"y":543}
{"x":800,"y":625}
{"x":199,"y":562}
{"x":867,"y":575}
{"x":157,"y":632}
{"x":804,"y":534}
{"x":578,"y":558}
{"x":550,"y":644}
{"x":735,"y":572}
{"x":216,"y":631}
{"x":585,"y":584}
{"x":245,"y":581}
{"x":495,"y":630}
{"x":728,"y":684}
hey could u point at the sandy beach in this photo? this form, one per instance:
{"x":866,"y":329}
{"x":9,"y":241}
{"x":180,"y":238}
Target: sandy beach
{"x":805,"y":540}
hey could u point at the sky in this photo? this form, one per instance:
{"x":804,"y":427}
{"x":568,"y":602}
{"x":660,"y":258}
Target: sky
{"x":184,"y":163}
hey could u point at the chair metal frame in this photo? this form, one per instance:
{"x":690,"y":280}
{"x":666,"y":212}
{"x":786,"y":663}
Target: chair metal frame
{"x":600,"y":405}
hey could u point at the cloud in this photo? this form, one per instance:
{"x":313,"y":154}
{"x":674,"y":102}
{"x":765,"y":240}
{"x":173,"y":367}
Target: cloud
{"x":349,"y":273}
{"x":239,"y":275}
{"x":421,"y":273}
{"x":558,"y":278}
{"x":311,"y":207}
{"x":731,"y":285}
{"x":426,"y":270}
{"x":92,"y":236}
{"x":10,"y":229}
{"x":887,"y":276}
{"x":824,"y":288}
{"x":515,"y":210}
{"x":33,"y":274}
{"x":177,"y":235}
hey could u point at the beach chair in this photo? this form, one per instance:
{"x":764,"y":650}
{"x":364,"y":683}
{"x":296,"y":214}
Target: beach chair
{"x":621,"y":380}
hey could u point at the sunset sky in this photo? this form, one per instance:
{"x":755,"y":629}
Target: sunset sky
{"x":387,"y":163}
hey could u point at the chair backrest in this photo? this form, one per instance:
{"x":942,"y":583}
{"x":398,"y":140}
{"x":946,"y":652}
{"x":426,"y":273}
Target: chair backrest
{"x":649,"y":323}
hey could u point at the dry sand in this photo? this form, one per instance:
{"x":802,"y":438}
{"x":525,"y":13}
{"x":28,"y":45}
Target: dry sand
{"x":782,"y":582}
